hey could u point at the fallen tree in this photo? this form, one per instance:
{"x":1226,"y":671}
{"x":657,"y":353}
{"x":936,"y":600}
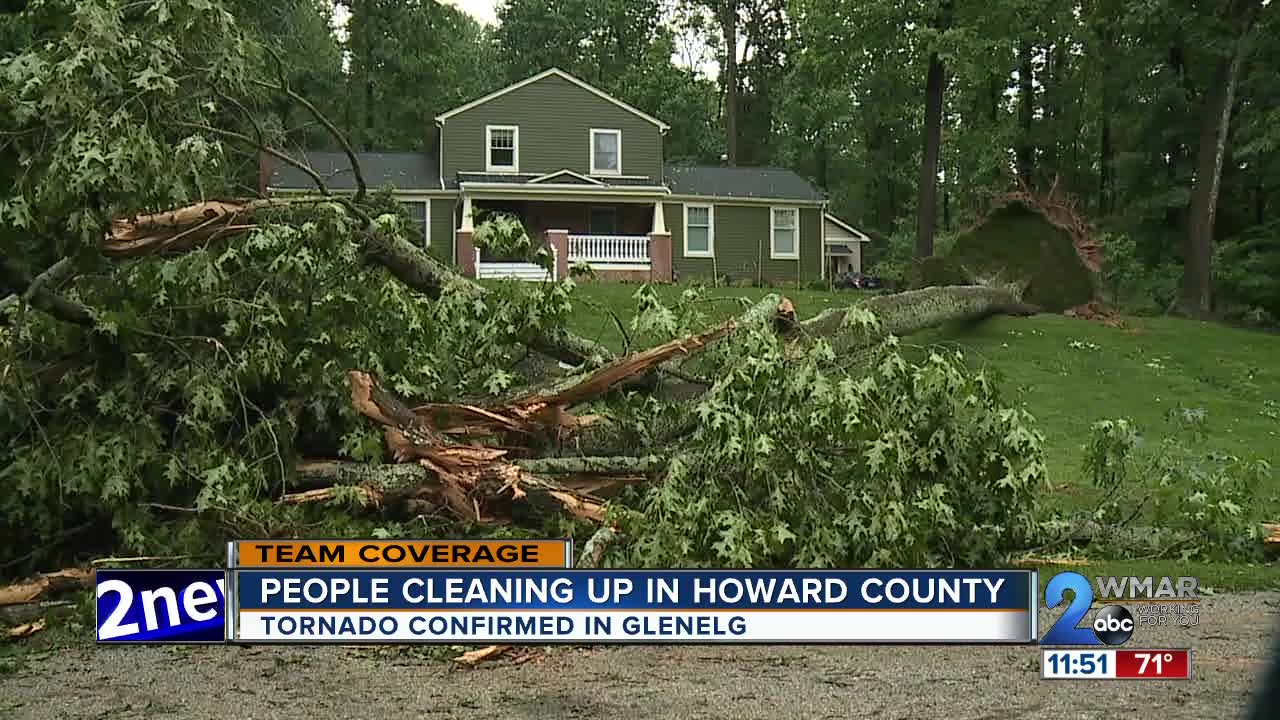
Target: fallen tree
{"x":417,"y":435}
{"x":180,"y":366}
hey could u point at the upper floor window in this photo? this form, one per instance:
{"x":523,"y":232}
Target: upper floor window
{"x":784,"y":243}
{"x":606,"y":152}
{"x":502,"y":148}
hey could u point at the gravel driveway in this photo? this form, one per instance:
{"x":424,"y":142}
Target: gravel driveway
{"x":621,"y":683}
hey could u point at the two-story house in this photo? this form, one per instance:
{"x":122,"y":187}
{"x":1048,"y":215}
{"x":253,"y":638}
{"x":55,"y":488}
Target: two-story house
{"x":585,"y":171}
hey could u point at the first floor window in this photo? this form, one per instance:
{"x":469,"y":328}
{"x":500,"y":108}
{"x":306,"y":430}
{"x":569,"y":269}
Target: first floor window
{"x":604,"y":221}
{"x":417,"y":211}
{"x":698,"y":233}
{"x":785,"y":228}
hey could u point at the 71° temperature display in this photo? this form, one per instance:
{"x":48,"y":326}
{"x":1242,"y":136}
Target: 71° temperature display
{"x":1108,"y":664}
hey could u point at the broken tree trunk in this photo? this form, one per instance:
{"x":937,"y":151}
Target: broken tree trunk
{"x":908,"y":312}
{"x":185,"y":227}
{"x":46,"y":584}
{"x":543,"y":412}
{"x":475,"y":482}
{"x":179,"y":228}
{"x":584,"y":475}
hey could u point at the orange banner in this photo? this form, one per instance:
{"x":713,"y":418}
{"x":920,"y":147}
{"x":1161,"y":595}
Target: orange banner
{"x":402,"y":553}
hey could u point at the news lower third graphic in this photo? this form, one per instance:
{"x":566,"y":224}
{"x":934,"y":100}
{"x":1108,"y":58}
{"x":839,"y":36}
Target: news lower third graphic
{"x":633,"y":606}
{"x":511,"y":591}
{"x":1160,"y":601}
{"x":312,"y":592}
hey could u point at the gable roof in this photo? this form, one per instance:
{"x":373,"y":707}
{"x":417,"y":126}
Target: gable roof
{"x":545,"y":74}
{"x":740,"y":182}
{"x":861,"y":236}
{"x":404,"y":170}
{"x":566,"y":175}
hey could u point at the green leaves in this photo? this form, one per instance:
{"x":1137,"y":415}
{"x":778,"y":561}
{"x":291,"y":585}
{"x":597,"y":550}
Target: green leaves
{"x":796,"y":462}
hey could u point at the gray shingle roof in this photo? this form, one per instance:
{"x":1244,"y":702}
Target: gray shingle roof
{"x":420,"y":171}
{"x":743,"y":182}
{"x":404,"y":170}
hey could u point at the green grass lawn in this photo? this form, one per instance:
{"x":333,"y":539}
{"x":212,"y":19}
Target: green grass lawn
{"x":1066,"y":371}
{"x":1069,"y":373}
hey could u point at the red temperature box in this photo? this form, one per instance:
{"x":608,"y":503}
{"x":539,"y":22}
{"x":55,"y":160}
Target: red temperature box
{"x":1160,"y":664}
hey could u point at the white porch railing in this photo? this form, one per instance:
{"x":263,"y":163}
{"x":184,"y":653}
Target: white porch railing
{"x":609,"y":249}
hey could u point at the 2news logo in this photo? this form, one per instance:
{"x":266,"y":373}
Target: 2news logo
{"x":161,"y":606}
{"x":1112,"y":625}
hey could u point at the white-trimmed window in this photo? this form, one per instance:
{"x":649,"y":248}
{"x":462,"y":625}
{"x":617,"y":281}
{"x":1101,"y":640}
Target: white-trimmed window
{"x":699,"y":231}
{"x":419,"y":212}
{"x":606,"y":152}
{"x":784,"y":233}
{"x":502,"y":148}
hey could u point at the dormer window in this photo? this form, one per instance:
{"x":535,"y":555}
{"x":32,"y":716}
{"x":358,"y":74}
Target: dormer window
{"x":502,"y":148}
{"x":606,"y":152}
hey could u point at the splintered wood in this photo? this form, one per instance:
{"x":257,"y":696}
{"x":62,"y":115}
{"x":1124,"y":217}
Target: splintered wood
{"x":46,"y":584}
{"x":179,"y":228}
{"x":473,"y":460}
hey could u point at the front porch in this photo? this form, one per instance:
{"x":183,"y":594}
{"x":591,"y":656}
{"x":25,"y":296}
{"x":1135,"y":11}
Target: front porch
{"x":620,"y":240}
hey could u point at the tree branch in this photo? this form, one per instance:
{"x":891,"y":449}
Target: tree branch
{"x":315,"y":176}
{"x":337,"y":134}
{"x":39,"y":296}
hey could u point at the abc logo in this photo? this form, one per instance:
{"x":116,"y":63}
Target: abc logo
{"x":1113,"y":625}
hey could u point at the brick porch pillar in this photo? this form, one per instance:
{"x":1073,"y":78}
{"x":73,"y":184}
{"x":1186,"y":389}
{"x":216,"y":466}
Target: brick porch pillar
{"x":660,"y":257}
{"x":558,"y":240}
{"x":659,"y":247}
{"x":465,"y":252}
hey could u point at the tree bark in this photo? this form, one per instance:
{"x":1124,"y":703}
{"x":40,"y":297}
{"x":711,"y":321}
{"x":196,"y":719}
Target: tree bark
{"x":927,"y":219}
{"x":1026,"y":151}
{"x":908,"y":312}
{"x":40,"y":292}
{"x":728,"y":12}
{"x":1197,"y":276}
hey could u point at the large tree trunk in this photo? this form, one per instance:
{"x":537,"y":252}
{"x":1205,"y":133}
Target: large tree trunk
{"x":1214,"y":124}
{"x":729,"y":27}
{"x":1026,"y":151}
{"x":927,"y":218}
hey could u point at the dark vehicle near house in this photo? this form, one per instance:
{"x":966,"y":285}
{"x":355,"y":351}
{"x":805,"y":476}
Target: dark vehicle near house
{"x":856,"y":281}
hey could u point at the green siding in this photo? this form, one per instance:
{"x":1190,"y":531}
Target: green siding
{"x":742,"y":245}
{"x":555,"y":118}
{"x":442,"y":227}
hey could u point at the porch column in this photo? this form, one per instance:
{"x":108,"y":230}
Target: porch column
{"x":464,"y":251}
{"x":558,"y":240}
{"x":659,"y":247}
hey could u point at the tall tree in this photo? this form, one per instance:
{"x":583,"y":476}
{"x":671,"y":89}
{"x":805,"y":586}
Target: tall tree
{"x":1214,"y":123}
{"x":409,"y":61}
{"x":935,"y":87}
{"x":727,"y":14}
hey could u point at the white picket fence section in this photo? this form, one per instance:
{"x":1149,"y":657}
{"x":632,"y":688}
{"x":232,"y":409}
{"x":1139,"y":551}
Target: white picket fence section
{"x":609,"y":250}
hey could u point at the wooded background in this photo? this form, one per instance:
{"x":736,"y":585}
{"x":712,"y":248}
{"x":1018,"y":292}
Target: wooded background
{"x":908,"y":113}
{"x":172,"y":368}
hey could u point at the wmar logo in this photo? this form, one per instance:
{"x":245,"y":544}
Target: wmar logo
{"x":1112,"y":625}
{"x":161,"y":606}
